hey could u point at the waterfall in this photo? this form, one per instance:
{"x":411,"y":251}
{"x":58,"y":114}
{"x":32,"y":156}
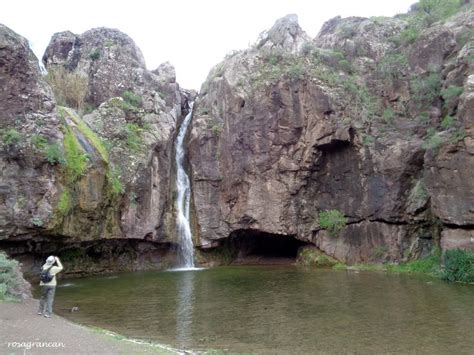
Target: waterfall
{"x":186,"y":248}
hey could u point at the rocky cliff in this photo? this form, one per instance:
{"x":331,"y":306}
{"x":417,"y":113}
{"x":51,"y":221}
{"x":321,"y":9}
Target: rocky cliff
{"x":359,"y":142}
{"x":372,"y":118}
{"x":91,"y":180}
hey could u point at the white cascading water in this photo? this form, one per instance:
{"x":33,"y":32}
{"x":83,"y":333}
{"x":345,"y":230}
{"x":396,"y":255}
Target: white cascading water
{"x":186,"y":248}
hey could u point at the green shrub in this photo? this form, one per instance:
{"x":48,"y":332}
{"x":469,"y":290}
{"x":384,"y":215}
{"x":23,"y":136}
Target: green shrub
{"x":115,"y":185}
{"x":433,"y":140}
{"x":273,"y":59}
{"x":368,"y":140}
{"x":330,"y":77}
{"x":451,"y":94}
{"x":351,"y":86}
{"x":457,"y":136}
{"x":408,"y":36}
{"x":296,"y":71}
{"x":347,"y":31}
{"x":54,"y":154}
{"x":458,"y":265}
{"x":217,"y":128}
{"x":367,"y":104}
{"x":11,"y":137}
{"x":393,"y":65}
{"x":39,"y":141}
{"x":95,"y":55}
{"x":447,"y":122}
{"x":465,"y":36}
{"x":388,"y":115}
{"x":132,"y":99}
{"x":134,"y":141}
{"x":308,"y":48}
{"x":424,"y":117}
{"x":219,"y":70}
{"x":345,"y":65}
{"x":425,"y":90}
{"x":333,"y":221}
{"x":9,"y":277}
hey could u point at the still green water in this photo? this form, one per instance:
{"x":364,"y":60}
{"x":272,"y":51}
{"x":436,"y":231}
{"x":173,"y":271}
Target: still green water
{"x":284,"y":310}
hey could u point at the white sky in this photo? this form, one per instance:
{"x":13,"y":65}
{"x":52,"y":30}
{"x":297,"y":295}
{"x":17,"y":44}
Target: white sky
{"x":193,"y":35}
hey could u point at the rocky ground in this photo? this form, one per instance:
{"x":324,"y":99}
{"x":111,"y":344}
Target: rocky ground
{"x":21,"y":329}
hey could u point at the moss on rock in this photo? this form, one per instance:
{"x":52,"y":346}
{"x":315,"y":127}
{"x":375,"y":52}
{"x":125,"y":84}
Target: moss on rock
{"x":312,"y":256}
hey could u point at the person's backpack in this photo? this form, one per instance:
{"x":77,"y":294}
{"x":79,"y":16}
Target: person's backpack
{"x":45,"y":276}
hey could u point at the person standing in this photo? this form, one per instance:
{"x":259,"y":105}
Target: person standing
{"x":48,"y":272}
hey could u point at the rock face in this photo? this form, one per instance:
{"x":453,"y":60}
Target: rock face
{"x":350,"y":121}
{"x":136,"y":118}
{"x":28,"y":111}
{"x":110,"y":59}
{"x":371,"y":120}
{"x":70,"y":179}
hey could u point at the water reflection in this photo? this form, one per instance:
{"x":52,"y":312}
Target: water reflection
{"x":279,"y":310}
{"x":184,"y":315}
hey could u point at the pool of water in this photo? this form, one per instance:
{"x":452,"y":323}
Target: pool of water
{"x":278,"y":310}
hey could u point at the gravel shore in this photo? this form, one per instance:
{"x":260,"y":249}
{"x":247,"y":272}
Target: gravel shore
{"x":22,"y":331}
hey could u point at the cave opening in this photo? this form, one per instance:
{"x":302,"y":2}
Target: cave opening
{"x":257,"y":247}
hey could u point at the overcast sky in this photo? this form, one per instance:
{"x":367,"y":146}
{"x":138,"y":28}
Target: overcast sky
{"x":193,"y":35}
